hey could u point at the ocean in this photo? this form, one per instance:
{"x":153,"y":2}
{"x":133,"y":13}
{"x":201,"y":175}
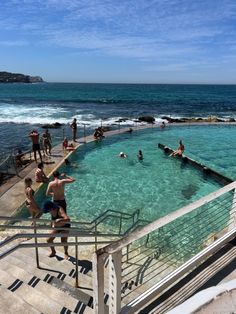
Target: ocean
{"x":27,"y":106}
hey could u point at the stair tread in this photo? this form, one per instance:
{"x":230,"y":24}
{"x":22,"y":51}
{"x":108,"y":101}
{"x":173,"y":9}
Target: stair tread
{"x":12,"y":304}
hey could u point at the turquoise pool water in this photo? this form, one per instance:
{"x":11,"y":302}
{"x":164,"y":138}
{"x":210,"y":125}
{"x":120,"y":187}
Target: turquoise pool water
{"x":158,"y":185}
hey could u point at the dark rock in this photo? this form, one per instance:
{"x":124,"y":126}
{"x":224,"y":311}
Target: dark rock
{"x":148,"y":119}
{"x":172,"y":120}
{"x":231,"y":120}
{"x":7,"y":77}
{"x":55,"y":125}
{"x":122,"y":120}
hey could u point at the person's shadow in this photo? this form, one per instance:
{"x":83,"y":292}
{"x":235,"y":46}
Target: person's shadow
{"x":85,"y":265}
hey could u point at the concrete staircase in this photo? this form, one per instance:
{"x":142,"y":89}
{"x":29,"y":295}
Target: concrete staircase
{"x":49,"y":289}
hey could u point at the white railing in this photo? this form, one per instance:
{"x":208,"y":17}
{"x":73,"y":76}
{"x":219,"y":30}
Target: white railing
{"x":149,"y":259}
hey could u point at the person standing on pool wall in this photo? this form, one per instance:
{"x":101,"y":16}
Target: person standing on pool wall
{"x":59,"y":219}
{"x":34,"y":135}
{"x":74,"y":129}
{"x":56,"y":188}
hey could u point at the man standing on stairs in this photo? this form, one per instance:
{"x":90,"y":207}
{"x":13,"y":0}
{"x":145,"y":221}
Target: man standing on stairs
{"x":56,"y":188}
{"x":59,"y":220}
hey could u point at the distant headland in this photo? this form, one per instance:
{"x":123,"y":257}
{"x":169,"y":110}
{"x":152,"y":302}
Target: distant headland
{"x":7,"y":77}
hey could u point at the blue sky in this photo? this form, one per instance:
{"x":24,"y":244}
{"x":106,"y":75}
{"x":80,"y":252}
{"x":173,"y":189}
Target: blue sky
{"x":137,"y":41}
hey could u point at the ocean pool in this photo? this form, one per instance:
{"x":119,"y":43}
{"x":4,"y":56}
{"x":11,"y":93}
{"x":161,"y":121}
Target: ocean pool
{"x":158,"y":185}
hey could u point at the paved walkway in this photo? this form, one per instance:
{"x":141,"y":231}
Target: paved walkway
{"x":12,"y":192}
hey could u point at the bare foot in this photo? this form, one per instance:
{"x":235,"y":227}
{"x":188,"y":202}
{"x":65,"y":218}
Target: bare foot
{"x":66,"y":257}
{"x":52,"y":254}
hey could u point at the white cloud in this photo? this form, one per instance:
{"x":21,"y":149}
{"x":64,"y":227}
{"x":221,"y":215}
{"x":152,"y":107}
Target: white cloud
{"x":135,"y":29}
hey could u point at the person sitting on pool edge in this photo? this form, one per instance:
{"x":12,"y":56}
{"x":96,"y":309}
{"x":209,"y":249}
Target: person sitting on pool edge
{"x":98,"y":134}
{"x":40,"y":176}
{"x":179,"y":151}
{"x":59,"y":219}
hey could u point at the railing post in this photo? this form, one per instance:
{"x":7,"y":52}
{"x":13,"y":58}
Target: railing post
{"x":232,"y":217}
{"x":120,"y":227}
{"x":147,"y":240}
{"x":63,"y":134}
{"x":76,"y":263}
{"x":96,"y":238}
{"x":84,"y":133}
{"x":98,"y":284}
{"x":36,"y":242}
{"x":115,"y":282}
{"x":127,"y":253}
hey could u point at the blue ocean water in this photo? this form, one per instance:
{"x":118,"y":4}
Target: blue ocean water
{"x":27,"y":106}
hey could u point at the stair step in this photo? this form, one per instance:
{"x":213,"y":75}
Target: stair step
{"x":45,"y":298}
{"x":85,"y":266}
{"x":30,"y":295}
{"x":52,"y":292}
{"x":57,"y":265}
{"x":32,"y":279}
{"x":12,"y":304}
{"x":42,"y":272}
{"x":54,"y":278}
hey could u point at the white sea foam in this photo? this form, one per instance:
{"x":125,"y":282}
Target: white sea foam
{"x":32,"y":115}
{"x":48,"y":114}
{"x":10,"y":113}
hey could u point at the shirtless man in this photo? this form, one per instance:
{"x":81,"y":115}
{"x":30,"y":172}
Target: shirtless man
{"x":56,"y":188}
{"x":34,"y":135}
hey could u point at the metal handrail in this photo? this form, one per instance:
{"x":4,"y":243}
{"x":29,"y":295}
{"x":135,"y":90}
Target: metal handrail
{"x":94,"y":223}
{"x":73,"y":231}
{"x":143,"y":231}
{"x":88,"y":229}
{"x":141,"y":257}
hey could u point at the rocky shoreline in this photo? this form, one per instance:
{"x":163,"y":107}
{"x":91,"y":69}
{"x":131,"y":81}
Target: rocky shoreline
{"x":199,"y":120}
{"x":151,"y":119}
{"x":8,"y":77}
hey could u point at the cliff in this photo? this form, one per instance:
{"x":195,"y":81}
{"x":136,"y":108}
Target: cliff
{"x":7,"y":77}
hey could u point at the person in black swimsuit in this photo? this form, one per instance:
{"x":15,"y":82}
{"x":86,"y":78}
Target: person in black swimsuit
{"x":59,"y":219}
{"x":34,"y":135}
